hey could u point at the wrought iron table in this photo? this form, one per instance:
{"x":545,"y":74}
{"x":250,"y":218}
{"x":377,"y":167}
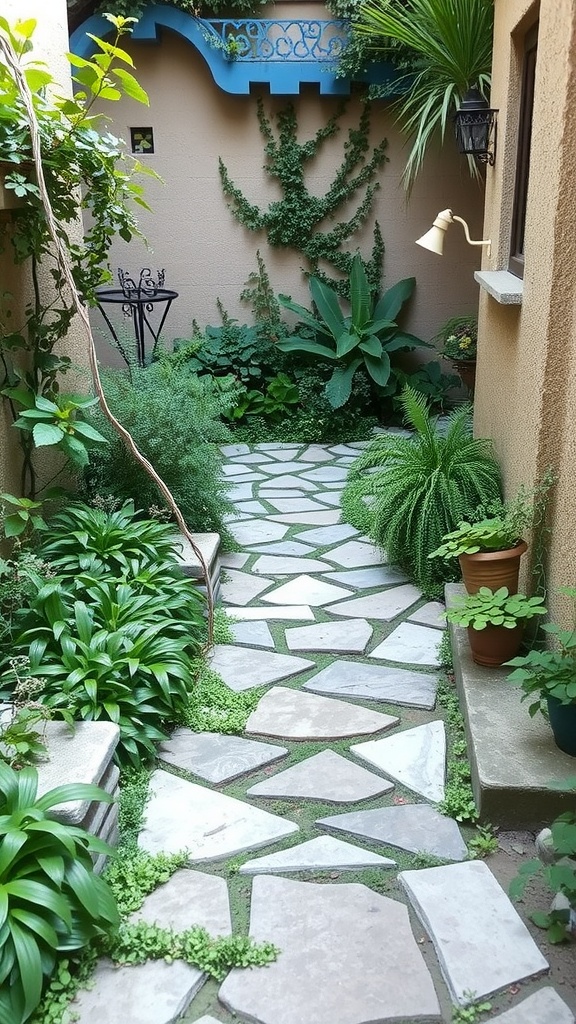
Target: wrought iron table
{"x":137,"y":300}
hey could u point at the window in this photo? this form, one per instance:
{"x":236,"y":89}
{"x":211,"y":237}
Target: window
{"x":516,"y":264}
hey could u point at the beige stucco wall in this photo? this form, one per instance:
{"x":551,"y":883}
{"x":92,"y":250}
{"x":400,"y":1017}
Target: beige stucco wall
{"x":526,"y":387}
{"x":207,"y":254}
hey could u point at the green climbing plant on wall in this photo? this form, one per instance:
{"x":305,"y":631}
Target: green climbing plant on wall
{"x":296,"y":220}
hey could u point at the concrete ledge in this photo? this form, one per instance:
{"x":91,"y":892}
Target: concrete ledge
{"x":513,"y":757}
{"x":503,"y":286}
{"x":209,"y":545}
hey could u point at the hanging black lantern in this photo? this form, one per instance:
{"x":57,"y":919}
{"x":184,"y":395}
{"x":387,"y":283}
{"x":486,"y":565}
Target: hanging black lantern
{"x":475,"y":127}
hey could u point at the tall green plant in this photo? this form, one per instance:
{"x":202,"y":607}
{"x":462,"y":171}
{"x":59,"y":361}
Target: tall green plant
{"x":427,"y":484}
{"x":451,"y":41}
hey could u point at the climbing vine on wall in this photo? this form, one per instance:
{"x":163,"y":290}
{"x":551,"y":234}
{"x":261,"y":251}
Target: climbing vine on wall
{"x":296,"y":220}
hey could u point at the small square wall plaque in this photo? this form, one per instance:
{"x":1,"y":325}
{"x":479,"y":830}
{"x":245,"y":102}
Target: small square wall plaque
{"x":142,"y":140}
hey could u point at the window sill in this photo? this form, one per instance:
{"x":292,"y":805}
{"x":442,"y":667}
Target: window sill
{"x":503,"y":286}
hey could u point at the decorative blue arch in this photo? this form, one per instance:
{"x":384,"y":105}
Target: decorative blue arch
{"x":281,"y":54}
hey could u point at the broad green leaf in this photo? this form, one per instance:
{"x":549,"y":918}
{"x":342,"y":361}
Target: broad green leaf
{"x":326,"y":301}
{"x":360,"y":297}
{"x":47,"y":434}
{"x":379,"y":369}
{"x":339,"y":386}
{"x":372,"y":346}
{"x":131,"y":87}
{"x":46,"y":405}
{"x":303,"y":313}
{"x":14,"y":525}
{"x":30,"y":964}
{"x":390,"y":304}
{"x":303,"y":345}
{"x":346,"y":343}
{"x":73,"y":791}
{"x":88,"y":431}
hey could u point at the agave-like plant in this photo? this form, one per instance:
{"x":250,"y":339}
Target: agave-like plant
{"x":451,"y":45}
{"x":427,"y":484}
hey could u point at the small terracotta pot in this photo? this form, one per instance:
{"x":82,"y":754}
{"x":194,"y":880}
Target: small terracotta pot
{"x":493,"y":569}
{"x":466,"y":370}
{"x":494,"y":645}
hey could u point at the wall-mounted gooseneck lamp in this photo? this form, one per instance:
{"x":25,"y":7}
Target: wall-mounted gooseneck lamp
{"x":434,"y":238}
{"x":475,"y":127}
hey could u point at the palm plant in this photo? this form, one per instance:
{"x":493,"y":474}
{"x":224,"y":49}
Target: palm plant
{"x":426,"y":485}
{"x":451,"y":45}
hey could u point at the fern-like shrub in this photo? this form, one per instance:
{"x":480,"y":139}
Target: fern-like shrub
{"x":407,"y":492}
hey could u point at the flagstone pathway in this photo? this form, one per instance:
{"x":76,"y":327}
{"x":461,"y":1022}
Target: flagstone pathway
{"x":330,"y":797}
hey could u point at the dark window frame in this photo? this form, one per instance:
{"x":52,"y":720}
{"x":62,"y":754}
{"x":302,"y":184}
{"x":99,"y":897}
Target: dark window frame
{"x":516,"y":261}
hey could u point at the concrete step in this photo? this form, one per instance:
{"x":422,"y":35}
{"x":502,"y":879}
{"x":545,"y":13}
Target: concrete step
{"x":209,"y":545}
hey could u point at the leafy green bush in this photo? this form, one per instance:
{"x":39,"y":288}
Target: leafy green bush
{"x":426,"y":485}
{"x":246,"y":352}
{"x":51,"y":899}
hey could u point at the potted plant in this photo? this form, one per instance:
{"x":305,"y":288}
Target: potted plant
{"x":459,"y":338}
{"x":548,"y":677}
{"x":495,"y":622}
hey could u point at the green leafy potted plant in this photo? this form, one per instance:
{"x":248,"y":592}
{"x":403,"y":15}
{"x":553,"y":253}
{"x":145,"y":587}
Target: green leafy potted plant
{"x":548,"y":679}
{"x":459,"y":339}
{"x":495,"y":622}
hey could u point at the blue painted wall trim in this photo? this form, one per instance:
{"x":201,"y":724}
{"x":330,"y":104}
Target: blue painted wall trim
{"x":283,"y":73}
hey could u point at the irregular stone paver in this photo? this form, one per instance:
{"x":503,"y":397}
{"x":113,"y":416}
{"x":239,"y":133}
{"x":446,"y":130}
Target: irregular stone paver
{"x":215,"y":757}
{"x":350,"y":958}
{"x":347,"y":449}
{"x":417,"y":828}
{"x":415,"y":757}
{"x":241,"y":588}
{"x":385,"y":606}
{"x":248,"y":476}
{"x":230,"y":450}
{"x":242,"y":668}
{"x":330,"y":498}
{"x":348,"y":637}
{"x":315,"y":453}
{"x":255,"y":633}
{"x":321,"y":853}
{"x":324,"y":473}
{"x":326,"y":776}
{"x":240,"y":492}
{"x":289,"y":481}
{"x":188,"y":898}
{"x":286,"y":454}
{"x":272,"y":446}
{"x":252,"y":458}
{"x":280,"y":468}
{"x":292,"y":714}
{"x":324,"y":518}
{"x":327,"y":534}
{"x":543,"y":1007}
{"x":283,"y":547}
{"x":152,"y":993}
{"x":430,"y":614}
{"x":232,"y":470}
{"x":257,"y":531}
{"x":233,"y":559}
{"x":254,"y":507}
{"x":364,"y":579}
{"x":210,"y":826}
{"x":288,"y":493}
{"x":278,"y":566}
{"x":355,"y":554}
{"x":481,"y":942}
{"x":295,"y":611}
{"x":393,"y":685}
{"x":295,"y":504}
{"x":411,"y":644}
{"x":306,"y":590}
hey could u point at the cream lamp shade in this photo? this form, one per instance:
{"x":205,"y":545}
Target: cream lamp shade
{"x":434,"y":238}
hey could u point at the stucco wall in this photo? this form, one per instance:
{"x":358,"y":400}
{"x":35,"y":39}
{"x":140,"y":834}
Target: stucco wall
{"x":526,"y":392}
{"x":207,"y":255}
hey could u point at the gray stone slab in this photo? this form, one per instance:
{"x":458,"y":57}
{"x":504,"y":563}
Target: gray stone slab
{"x":366,"y":579}
{"x":416,"y":758}
{"x":543,"y":1007}
{"x":230,"y":450}
{"x":151,"y":993}
{"x":242,"y":668}
{"x":255,"y":634}
{"x":236,"y":517}
{"x":295,"y":504}
{"x":347,"y":449}
{"x":267,"y":493}
{"x":283,"y":547}
{"x":286,"y":454}
{"x":188,"y":898}
{"x":481,"y":942}
{"x":374,"y":682}
{"x":327,"y":534}
{"x":278,"y":565}
{"x":324,"y":473}
{"x":180,"y":816}
{"x":233,"y":559}
{"x":293,"y":714}
{"x":417,"y":828}
{"x":327,"y":777}
{"x":240,"y":588}
{"x":321,"y":853}
{"x":345,"y":460}
{"x":315,"y":453}
{"x":288,"y":482}
{"x":255,"y":508}
{"x":257,"y":531}
{"x":324,"y":518}
{"x":306,"y":590}
{"x":331,"y":498}
{"x":81,"y":754}
{"x":294,"y":612}
{"x":272,"y":446}
{"x":230,"y":469}
{"x":411,"y":645}
{"x":430,"y":614}
{"x":280,"y":468}
{"x":385,"y":605}
{"x":240,"y":492}
{"x":355,"y":554}
{"x":347,"y":637}
{"x":251,"y":459}
{"x":215,"y":757}
{"x":332,"y":969}
{"x":248,"y":476}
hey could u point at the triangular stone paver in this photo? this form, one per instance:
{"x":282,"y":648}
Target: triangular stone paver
{"x":252,"y":458}
{"x":481,"y":942}
{"x":290,"y":481}
{"x":347,"y":637}
{"x":286,"y":566}
{"x":215,"y":757}
{"x":366,"y":579}
{"x":355,"y":554}
{"x":280,"y":468}
{"x":242,"y":668}
{"x":155,"y":992}
{"x":295,"y":504}
{"x":230,"y":450}
{"x":324,"y":473}
{"x":324,"y":518}
{"x":286,"y":454}
{"x":415,"y":757}
{"x":326,"y":776}
{"x":233,"y":559}
{"x":232,"y":470}
{"x":336,"y":964}
{"x":327,"y":534}
{"x":257,"y":531}
{"x":306,"y":590}
{"x":431,"y":614}
{"x":240,"y":492}
{"x":293,"y":612}
{"x":283,"y":547}
{"x":208,"y":825}
{"x":417,"y":828}
{"x":385,"y":605}
{"x":256,"y":634}
{"x":321,"y":853}
{"x":315,"y":453}
{"x":334,"y":498}
{"x":347,"y":449}
{"x":410,"y":644}
{"x":373,"y":682}
{"x":254,"y":507}
{"x":188,"y":898}
{"x":240,"y":588}
{"x":543,"y":1007}
{"x":292,"y":714}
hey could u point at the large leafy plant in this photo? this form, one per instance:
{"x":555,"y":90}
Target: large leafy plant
{"x":494,"y":608}
{"x":549,"y":672}
{"x":366,"y":337}
{"x":408,"y":492}
{"x":50,"y":899}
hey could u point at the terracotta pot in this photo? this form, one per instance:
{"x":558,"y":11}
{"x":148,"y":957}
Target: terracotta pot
{"x":563,"y":723}
{"x":493,"y":569}
{"x":494,"y":645}
{"x":466,"y":370}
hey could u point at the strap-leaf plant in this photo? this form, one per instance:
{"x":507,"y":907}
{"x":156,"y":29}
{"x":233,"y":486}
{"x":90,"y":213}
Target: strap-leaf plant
{"x":295,"y":221}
